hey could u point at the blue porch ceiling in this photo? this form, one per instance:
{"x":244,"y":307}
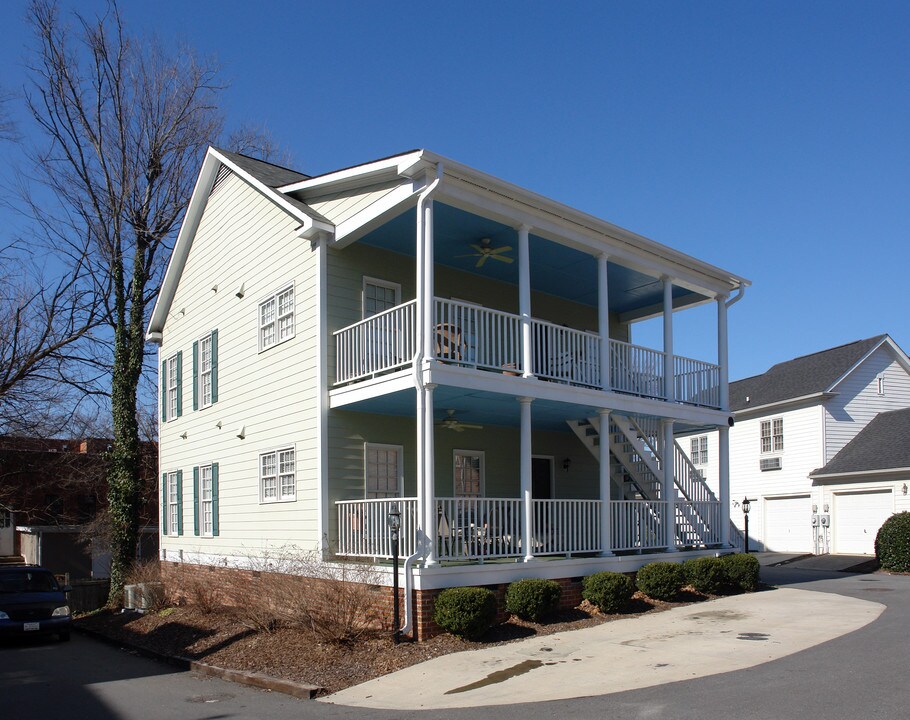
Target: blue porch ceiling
{"x":555,"y":269}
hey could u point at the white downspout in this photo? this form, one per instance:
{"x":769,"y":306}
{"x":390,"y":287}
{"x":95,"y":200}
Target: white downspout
{"x":417,"y":364}
{"x":740,"y":291}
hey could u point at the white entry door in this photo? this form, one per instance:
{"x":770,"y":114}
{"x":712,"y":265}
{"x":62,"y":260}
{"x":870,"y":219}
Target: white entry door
{"x":788,"y":524}
{"x":6,"y":532}
{"x":856,"y":519}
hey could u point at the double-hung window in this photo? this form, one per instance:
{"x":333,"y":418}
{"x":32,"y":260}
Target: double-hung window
{"x":468,"y":474}
{"x":382,"y":471}
{"x":278,"y":476}
{"x":699,"y":450}
{"x":205,"y":497}
{"x":276,"y":318}
{"x":172,"y":503}
{"x":171,"y":387}
{"x":205,"y":371}
{"x":772,"y":435}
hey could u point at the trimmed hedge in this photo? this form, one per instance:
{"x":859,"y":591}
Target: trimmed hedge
{"x":892,"y":543}
{"x":742,"y":572}
{"x":532,"y":598}
{"x":706,"y":574}
{"x":661,"y":580}
{"x":609,"y":591}
{"x":465,"y":611}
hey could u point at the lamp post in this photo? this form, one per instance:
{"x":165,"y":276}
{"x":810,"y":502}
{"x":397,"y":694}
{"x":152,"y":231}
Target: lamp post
{"x":394,"y":523}
{"x":747,"y":505}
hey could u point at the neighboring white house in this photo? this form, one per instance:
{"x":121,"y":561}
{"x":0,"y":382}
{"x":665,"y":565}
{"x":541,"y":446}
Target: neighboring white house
{"x":414,"y":334}
{"x":809,"y":448}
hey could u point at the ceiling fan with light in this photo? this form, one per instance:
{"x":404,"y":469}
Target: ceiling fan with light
{"x":484,"y":251}
{"x":450,"y":422}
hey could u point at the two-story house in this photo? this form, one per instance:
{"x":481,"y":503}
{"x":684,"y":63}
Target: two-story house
{"x":818,"y":447}
{"x":414,"y":335}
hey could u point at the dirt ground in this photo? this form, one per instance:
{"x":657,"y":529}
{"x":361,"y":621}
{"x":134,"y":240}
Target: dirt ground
{"x":220,"y":639}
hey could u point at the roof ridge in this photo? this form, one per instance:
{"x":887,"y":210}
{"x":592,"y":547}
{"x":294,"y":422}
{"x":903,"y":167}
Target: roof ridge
{"x":821,"y":352}
{"x":256,"y":159}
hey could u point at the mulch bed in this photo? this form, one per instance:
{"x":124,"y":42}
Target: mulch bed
{"x":218,"y":638}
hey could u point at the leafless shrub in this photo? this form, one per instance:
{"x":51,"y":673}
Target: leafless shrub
{"x":195,"y":588}
{"x":147,"y":575}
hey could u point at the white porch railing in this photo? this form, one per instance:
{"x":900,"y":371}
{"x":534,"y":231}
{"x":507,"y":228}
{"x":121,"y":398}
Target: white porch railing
{"x":689,"y":478}
{"x":479,"y":528}
{"x":477,"y":336}
{"x":564,"y":354}
{"x":562,"y":527}
{"x":638,"y":524}
{"x":380,"y":343}
{"x":697,"y":523}
{"x":363,"y":529}
{"x":696,"y":382}
{"x":636,"y":370}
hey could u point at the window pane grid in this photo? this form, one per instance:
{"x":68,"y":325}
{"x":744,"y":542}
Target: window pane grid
{"x":205,"y":374}
{"x":276,"y":319}
{"x":207,"y":498}
{"x":171,"y":411}
{"x":172,"y":502}
{"x":382,"y":472}
{"x":278,"y":477}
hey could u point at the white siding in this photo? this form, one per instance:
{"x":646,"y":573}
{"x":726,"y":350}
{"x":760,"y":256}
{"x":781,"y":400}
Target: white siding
{"x":243,"y":238}
{"x":858,"y":401}
{"x":342,"y":206}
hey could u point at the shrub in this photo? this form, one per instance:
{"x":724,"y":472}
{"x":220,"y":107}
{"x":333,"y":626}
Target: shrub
{"x":609,"y":591}
{"x":705,"y":574}
{"x":892,"y":543}
{"x":742,"y":571}
{"x":465,"y":611}
{"x":147,"y":576}
{"x":661,"y":580}
{"x":532,"y":598}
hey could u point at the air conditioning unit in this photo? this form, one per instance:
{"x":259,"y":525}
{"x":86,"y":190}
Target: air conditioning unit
{"x":769,"y":464}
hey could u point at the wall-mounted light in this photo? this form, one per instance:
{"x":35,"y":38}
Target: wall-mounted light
{"x":218,"y":424}
{"x":240,"y":291}
{"x":904,"y":489}
{"x":242,"y":432}
{"x":215,"y":288}
{"x":183,"y":435}
{"x":566,"y":464}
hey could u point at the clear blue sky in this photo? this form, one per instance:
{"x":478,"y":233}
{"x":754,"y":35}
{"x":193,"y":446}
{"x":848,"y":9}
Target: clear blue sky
{"x":769,"y":138}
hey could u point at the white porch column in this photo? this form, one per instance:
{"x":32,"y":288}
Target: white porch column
{"x":668,"y":491}
{"x":429,"y":309}
{"x":603,"y":320}
{"x":669,"y":384}
{"x":606,"y":515}
{"x":722,"y":354}
{"x":524,"y":300}
{"x":429,"y":473}
{"x":723,"y":459}
{"x":525,"y":473}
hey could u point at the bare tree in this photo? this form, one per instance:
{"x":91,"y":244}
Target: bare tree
{"x":8,"y":129}
{"x":125,"y":124}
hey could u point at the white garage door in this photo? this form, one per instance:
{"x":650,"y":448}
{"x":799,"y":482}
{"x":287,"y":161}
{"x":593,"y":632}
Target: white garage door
{"x":788,"y":524}
{"x":856,"y":519}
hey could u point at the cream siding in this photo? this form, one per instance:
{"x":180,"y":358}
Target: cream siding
{"x":244,"y":239}
{"x":858,"y":401}
{"x":342,"y":206}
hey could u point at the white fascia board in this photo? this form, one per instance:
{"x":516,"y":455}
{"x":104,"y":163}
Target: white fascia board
{"x":375,"y":215}
{"x":357,"y":176}
{"x":899,"y":354}
{"x":781,"y":405}
{"x":195,"y":209}
{"x":861,"y":474}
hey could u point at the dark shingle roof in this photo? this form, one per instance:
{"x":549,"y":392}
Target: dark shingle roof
{"x":883,"y":444}
{"x":801,"y":376}
{"x":265,"y":172}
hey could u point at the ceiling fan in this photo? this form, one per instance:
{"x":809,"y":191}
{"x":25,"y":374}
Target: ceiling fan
{"x":450,"y":422}
{"x":485,"y":251}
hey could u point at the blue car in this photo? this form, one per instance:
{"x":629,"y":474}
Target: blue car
{"x":31,"y":602}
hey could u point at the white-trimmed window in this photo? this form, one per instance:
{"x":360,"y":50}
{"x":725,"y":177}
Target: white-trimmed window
{"x":468,"y":466}
{"x":699,"y":450}
{"x":379,"y":296}
{"x":205,"y":500}
{"x":880,"y":382}
{"x":278,"y":476}
{"x":382,"y":470}
{"x":205,"y":371}
{"x":276,"y":318}
{"x":772,"y":435}
{"x":172,"y":503}
{"x":171,"y":387}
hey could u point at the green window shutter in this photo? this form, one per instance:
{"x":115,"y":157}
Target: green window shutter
{"x":215,"y":499}
{"x":162,"y":380}
{"x":195,"y":501}
{"x":180,"y":502}
{"x":164,"y":503}
{"x":214,"y":367}
{"x":195,"y":374}
{"x":179,"y":384}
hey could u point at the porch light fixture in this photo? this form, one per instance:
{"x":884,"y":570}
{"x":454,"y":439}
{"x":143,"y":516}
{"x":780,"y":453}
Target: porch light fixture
{"x":394,"y":522}
{"x":904,"y":489}
{"x":747,"y":505}
{"x":566,"y":464}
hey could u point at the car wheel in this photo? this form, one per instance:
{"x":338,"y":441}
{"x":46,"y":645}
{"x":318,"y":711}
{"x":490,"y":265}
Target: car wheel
{"x":64,"y":636}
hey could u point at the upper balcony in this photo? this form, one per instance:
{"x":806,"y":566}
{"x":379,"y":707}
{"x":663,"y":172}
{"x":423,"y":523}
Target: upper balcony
{"x":491,"y":340}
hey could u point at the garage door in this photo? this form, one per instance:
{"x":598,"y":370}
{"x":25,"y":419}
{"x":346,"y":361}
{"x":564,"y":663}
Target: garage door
{"x":856,"y":519}
{"x":788,"y":524}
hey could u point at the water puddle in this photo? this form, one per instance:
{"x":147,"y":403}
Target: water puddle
{"x":499,"y":676}
{"x":752,"y":636}
{"x":718,"y":615}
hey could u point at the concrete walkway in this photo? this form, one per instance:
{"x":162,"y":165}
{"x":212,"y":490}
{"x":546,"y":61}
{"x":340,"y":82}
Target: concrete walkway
{"x":680,"y":644}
